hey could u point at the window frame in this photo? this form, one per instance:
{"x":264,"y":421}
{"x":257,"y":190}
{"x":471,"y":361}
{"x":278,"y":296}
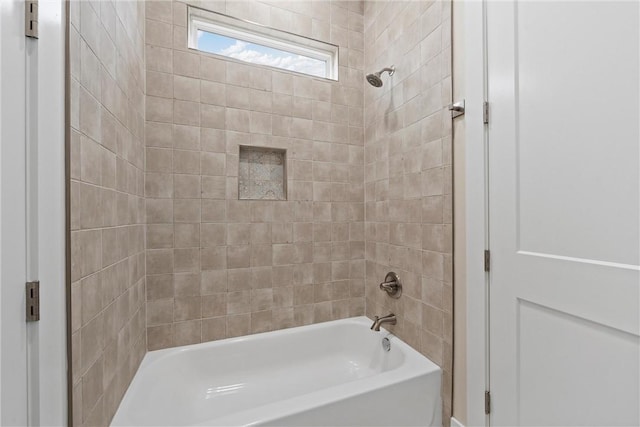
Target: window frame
{"x":251,"y":32}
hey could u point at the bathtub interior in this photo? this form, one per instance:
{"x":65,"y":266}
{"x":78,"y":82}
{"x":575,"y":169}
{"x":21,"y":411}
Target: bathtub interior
{"x":272,"y":350}
{"x":194,"y":384}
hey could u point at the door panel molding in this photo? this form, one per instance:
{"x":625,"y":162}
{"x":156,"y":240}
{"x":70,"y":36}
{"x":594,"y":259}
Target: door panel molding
{"x":582,"y":260}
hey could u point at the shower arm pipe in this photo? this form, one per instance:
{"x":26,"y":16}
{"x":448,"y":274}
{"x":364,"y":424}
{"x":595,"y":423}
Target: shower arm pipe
{"x":390,"y":70}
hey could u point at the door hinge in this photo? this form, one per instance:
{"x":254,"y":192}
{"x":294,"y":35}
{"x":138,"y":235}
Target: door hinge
{"x":31,"y":18}
{"x":485,"y":112}
{"x":33,"y":301}
{"x":487,"y":260}
{"x":487,"y":402}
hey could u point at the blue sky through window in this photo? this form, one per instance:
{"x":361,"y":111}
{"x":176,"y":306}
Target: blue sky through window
{"x":258,"y":54}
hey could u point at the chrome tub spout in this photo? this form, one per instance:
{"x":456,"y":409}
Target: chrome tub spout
{"x":389,"y":318}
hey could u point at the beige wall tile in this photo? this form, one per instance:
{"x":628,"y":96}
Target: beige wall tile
{"x":214,"y":329}
{"x":90,"y":115}
{"x":159,"y":84}
{"x":261,"y":321}
{"x":186,"y":64}
{"x":187,"y":235}
{"x":160,"y":312}
{"x":186,"y":88}
{"x":187,"y":210}
{"x":91,"y":303}
{"x":212,"y":92}
{"x":91,"y":342}
{"x":159,"y":11}
{"x":159,"y":160}
{"x":214,"y":258}
{"x":159,"y":58}
{"x":238,"y":325}
{"x":187,"y":186}
{"x":187,"y":308}
{"x":159,"y":287}
{"x":158,"y":33}
{"x":159,"y":211}
{"x":159,"y":261}
{"x":214,"y":281}
{"x":213,"y":69}
{"x":186,"y":162}
{"x":214,"y":305}
{"x":239,"y":279}
{"x":159,"y":337}
{"x":158,"y":135}
{"x":92,"y":388}
{"x":186,"y":260}
{"x":158,"y":185}
{"x":186,"y":137}
{"x":186,"y":113}
{"x":214,"y":187}
{"x":187,"y":284}
{"x":406,"y":228}
{"x":159,"y":109}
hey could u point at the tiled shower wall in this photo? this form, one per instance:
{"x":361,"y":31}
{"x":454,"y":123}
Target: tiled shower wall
{"x":106,"y":49}
{"x":408,"y":174}
{"x":221,"y":267}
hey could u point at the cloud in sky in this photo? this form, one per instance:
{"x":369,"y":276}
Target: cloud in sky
{"x":256,"y":54}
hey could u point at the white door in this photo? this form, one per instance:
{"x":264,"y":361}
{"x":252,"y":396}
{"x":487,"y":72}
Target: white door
{"x":564,"y":173}
{"x":32,"y":206}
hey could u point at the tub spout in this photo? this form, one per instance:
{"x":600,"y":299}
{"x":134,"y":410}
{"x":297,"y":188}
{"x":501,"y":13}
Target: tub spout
{"x":389,"y":318}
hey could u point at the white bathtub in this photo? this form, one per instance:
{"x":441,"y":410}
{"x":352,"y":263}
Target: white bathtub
{"x":327,"y":374}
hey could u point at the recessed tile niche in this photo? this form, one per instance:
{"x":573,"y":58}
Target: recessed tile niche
{"x":262,"y":174}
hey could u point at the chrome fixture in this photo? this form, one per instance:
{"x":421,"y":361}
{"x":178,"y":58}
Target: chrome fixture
{"x":377,"y":321}
{"x":386,"y":344}
{"x":374,"y":78}
{"x":392,"y":285}
{"x":457,"y":109}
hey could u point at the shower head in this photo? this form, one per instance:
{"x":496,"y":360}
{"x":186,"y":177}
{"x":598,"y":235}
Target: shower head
{"x":374,"y":78}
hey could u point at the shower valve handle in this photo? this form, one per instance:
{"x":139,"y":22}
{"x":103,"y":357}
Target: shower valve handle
{"x":392,"y":285}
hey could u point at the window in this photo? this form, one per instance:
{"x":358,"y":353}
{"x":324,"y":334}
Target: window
{"x":249,"y":42}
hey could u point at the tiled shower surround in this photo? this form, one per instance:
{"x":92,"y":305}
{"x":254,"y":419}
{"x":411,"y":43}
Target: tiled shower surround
{"x":155,"y":183}
{"x":107,"y":204}
{"x":408,"y":179}
{"x":220,"y":267}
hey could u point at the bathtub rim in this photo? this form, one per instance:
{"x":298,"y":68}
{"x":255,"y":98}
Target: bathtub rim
{"x":154,"y":356}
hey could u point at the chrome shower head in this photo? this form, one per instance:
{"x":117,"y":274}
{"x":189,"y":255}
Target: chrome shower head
{"x":374,"y":78}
